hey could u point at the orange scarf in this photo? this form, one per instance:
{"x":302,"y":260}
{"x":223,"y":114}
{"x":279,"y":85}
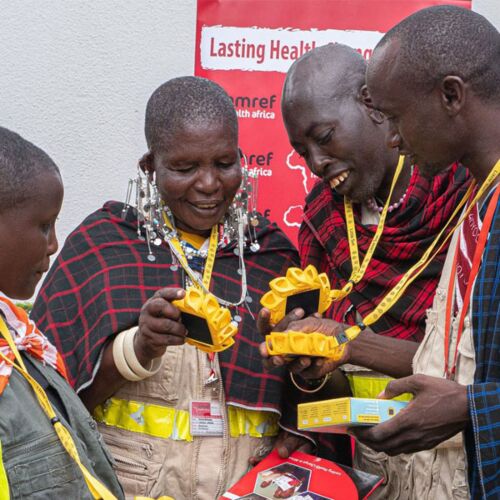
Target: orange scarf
{"x":27,"y":337}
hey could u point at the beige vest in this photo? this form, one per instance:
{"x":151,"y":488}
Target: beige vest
{"x":394,"y":470}
{"x":441,"y":472}
{"x":203,"y":468}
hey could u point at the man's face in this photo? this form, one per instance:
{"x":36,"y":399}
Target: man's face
{"x":418,"y":124}
{"x":198,"y":174}
{"x":28,"y":238}
{"x":339,"y":143}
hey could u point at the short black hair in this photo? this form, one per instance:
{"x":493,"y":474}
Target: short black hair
{"x":448,"y":40}
{"x":21,"y":162}
{"x":343,"y":70}
{"x":187,"y":99}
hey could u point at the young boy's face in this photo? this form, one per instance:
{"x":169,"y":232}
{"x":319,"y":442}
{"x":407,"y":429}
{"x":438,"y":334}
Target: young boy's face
{"x":28,"y":238}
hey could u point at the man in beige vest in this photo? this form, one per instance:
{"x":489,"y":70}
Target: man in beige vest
{"x":436,"y":77}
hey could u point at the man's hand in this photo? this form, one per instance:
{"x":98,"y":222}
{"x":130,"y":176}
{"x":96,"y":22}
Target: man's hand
{"x":438,"y":411}
{"x":265,"y":327}
{"x":159,"y":325}
{"x":306,"y":366}
{"x":286,"y":443}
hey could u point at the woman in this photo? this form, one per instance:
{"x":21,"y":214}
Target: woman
{"x":188,"y":425}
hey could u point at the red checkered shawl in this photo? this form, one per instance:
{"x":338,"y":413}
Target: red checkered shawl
{"x":102,"y":277}
{"x":407,"y":234}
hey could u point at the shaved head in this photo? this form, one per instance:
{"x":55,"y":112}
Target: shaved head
{"x":21,"y":165}
{"x":330,"y":122}
{"x":333,"y":71}
{"x":440,"y":41}
{"x":187,"y":100}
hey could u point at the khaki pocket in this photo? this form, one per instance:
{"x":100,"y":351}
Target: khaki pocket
{"x":466,"y":362}
{"x":163,"y":386}
{"x":425,"y":352}
{"x":370,"y":461}
{"x":132,"y":460}
{"x":460,"y":487}
{"x":466,"y":345}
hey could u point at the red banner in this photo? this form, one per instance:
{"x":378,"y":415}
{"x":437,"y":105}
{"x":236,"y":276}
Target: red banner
{"x":248,"y":45}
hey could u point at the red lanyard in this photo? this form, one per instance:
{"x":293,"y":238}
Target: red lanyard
{"x":212,"y":376}
{"x":476,"y":263}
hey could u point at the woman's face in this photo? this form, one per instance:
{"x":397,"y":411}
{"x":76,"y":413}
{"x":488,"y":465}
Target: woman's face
{"x":198,"y":174}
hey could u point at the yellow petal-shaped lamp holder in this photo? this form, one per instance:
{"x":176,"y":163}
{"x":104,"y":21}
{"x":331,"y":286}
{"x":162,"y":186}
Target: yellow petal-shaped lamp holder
{"x":299,"y":288}
{"x":209,"y":325}
{"x":292,"y":343}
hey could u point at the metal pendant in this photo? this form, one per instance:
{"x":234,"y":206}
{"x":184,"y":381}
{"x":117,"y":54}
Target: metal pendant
{"x":211,"y":378}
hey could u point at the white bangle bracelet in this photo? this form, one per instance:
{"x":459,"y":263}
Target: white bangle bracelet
{"x":120,"y":361}
{"x":131,"y":357}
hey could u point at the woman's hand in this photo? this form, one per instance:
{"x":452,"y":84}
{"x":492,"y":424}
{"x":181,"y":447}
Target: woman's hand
{"x":159,"y":325}
{"x":286,"y":443}
{"x":306,"y":366}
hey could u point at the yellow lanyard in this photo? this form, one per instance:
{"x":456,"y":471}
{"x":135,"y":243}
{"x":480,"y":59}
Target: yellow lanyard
{"x":358,"y":271}
{"x":414,"y":272}
{"x":97,"y":489}
{"x":4,"y":482}
{"x":209,"y":264}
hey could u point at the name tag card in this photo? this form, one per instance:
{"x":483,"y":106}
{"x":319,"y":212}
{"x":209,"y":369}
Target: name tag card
{"x":205,"y":418}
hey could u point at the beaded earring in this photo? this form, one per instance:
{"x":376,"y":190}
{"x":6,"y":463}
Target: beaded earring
{"x":243,"y":210}
{"x":147,"y":205}
{"x":242,"y":213}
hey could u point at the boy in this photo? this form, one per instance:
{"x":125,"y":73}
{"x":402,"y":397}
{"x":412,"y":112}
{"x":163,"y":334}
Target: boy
{"x":35,"y":463}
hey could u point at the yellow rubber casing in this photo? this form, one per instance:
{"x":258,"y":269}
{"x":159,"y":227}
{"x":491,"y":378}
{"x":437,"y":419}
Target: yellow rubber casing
{"x":292,"y":343}
{"x":297,"y":281}
{"x":203,"y":306}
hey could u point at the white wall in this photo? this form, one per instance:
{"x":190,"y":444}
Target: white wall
{"x":489,"y":9}
{"x":75,"y":77}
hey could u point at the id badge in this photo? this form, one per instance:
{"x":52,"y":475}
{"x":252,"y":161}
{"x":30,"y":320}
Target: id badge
{"x":205,"y":418}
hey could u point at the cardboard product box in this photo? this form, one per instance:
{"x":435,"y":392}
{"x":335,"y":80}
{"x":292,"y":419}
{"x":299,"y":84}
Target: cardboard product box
{"x":302,"y":477}
{"x":336,"y":415}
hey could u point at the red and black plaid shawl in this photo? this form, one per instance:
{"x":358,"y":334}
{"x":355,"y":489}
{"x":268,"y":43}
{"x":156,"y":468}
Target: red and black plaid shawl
{"x":102,"y":277}
{"x":407,"y":234}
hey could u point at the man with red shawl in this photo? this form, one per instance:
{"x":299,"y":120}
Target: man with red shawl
{"x":331,"y":123}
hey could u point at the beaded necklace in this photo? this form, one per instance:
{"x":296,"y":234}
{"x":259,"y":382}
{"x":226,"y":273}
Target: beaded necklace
{"x":196,"y":258}
{"x":372,"y":204}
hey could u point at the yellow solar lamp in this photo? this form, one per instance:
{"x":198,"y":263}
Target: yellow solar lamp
{"x":306,"y":289}
{"x":209,"y":326}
